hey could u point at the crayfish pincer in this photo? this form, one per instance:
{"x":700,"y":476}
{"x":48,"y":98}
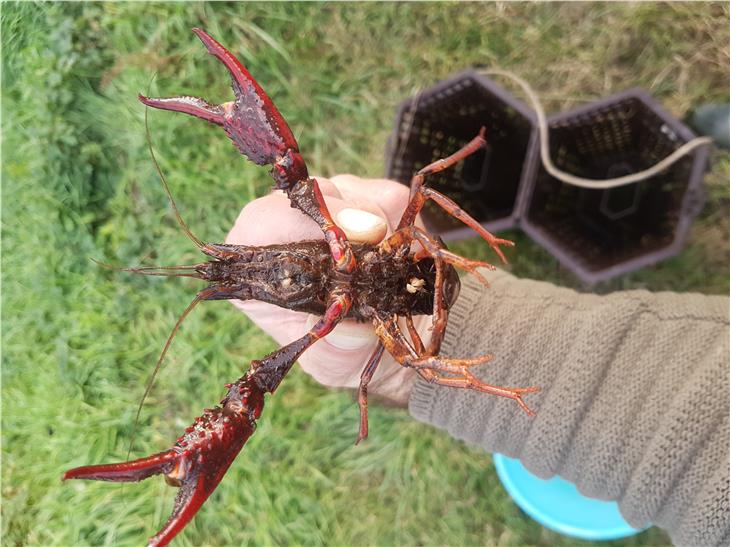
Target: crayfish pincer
{"x":409,"y":273}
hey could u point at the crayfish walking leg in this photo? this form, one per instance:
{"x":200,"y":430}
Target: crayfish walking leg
{"x":432,"y":368}
{"x":420,"y":193}
{"x":423,"y":358}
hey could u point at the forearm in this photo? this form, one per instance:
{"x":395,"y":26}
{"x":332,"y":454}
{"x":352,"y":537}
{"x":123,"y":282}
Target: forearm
{"x":635,"y":400}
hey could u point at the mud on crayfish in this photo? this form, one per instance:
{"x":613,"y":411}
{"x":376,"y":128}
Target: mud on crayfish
{"x":331,"y":277}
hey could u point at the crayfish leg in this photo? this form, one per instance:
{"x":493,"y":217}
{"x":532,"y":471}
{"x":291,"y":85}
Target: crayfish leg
{"x":202,"y":455}
{"x":362,"y":392}
{"x":420,"y":194}
{"x":416,"y":198}
{"x":433,"y":367}
{"x":468,"y":381}
{"x":415,"y":337}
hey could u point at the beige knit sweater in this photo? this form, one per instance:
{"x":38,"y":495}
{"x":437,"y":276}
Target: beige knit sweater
{"x":635,"y":400}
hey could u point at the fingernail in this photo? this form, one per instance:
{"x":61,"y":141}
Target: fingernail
{"x":362,"y":226}
{"x":348,"y":335}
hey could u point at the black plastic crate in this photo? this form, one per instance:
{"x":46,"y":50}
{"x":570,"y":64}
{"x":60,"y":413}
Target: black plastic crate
{"x":599,"y":234}
{"x":442,"y":119}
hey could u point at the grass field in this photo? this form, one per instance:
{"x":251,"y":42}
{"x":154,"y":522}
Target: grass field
{"x":80,"y":341}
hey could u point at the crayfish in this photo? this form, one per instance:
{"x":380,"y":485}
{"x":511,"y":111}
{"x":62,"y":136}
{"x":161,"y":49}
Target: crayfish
{"x":409,"y":273}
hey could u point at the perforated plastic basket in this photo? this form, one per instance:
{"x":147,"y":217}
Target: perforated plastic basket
{"x":599,"y":234}
{"x":443,"y":118}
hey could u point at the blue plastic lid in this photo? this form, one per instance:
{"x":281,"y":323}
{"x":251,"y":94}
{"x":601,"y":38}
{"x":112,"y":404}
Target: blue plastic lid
{"x":557,"y":504}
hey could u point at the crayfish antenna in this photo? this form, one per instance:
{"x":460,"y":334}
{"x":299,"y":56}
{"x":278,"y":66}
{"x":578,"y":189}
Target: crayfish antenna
{"x":148,"y":388}
{"x":165,"y":271}
{"x":198,"y":243}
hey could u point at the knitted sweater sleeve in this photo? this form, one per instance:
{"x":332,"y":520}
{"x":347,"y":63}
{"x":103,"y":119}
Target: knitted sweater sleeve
{"x":635,"y":398}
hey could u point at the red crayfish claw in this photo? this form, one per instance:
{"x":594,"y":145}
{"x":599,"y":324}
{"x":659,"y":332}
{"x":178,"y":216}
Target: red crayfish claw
{"x":252,"y":121}
{"x":198,"y":460}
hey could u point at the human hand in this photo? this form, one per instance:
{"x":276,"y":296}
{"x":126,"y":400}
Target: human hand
{"x":367,"y":210}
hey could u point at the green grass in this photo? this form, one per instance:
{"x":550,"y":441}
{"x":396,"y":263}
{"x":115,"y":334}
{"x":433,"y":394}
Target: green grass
{"x":79,"y":341}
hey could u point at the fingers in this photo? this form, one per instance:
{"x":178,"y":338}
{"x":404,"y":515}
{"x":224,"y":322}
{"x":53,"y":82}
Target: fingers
{"x":389,"y":196}
{"x":269,"y":220}
{"x":328,"y":188}
{"x":338,"y":360}
{"x":282,"y":325}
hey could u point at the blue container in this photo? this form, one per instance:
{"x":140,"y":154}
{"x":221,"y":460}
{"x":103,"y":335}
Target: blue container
{"x":557,"y":504}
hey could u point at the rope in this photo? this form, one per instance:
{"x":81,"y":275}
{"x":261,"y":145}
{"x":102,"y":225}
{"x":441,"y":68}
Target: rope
{"x":596,"y":184}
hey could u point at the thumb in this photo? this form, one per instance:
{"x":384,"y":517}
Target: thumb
{"x":361,"y":226}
